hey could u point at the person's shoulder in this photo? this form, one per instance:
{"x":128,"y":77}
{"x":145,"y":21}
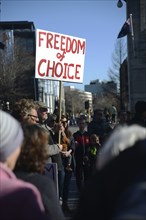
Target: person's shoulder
{"x":32,"y":177}
{"x":76,"y":132}
{"x":43,"y":178}
{"x":86,"y":133}
{"x":21,"y":189}
{"x":133,"y":196}
{"x":24,"y":186}
{"x":42,"y":181}
{"x":43,"y":126}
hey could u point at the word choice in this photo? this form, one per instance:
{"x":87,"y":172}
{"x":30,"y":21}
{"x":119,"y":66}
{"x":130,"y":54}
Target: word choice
{"x":59,"y":70}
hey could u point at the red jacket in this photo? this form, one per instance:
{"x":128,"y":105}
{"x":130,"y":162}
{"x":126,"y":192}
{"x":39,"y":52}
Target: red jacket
{"x":82,"y":141}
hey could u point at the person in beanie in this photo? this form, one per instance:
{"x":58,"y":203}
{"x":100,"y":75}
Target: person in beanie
{"x":117,"y":191}
{"x":18,"y":199}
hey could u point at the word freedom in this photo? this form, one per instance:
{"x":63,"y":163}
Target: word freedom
{"x":64,"y":46}
{"x":63,"y":43}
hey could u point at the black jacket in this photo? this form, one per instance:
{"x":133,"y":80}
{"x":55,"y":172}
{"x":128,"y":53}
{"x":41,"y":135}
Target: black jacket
{"x":47,"y":190}
{"x":101,"y":198}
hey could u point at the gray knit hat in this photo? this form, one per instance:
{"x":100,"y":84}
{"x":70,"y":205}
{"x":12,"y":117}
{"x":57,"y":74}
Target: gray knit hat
{"x":122,"y":138}
{"x":11,"y":135}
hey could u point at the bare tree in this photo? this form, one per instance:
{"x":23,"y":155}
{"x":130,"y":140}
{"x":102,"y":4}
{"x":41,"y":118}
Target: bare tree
{"x":16,"y":73}
{"x":118,"y":56}
{"x":74,"y":102}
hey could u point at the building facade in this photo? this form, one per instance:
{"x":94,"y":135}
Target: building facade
{"x":137,"y":52}
{"x":97,"y":87}
{"x":124,"y":88}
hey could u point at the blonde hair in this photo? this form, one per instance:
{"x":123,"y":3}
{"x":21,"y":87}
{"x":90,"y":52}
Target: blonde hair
{"x":22,"y":108}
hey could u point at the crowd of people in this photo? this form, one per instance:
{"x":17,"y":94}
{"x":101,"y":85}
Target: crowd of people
{"x":108,"y":164}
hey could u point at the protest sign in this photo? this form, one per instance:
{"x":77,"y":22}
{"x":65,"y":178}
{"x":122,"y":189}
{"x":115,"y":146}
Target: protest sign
{"x":59,"y":57}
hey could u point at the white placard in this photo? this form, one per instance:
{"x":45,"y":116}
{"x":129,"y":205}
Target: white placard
{"x":59,"y":57}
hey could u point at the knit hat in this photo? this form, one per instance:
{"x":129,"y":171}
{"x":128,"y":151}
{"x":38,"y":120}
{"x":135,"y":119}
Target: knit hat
{"x":41,"y":106}
{"x":11,"y":135}
{"x":122,"y":138}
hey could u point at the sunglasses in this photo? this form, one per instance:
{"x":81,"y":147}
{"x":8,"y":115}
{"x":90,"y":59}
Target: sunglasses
{"x":33,"y":116}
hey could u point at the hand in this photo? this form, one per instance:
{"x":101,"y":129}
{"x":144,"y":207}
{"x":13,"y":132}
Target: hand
{"x":62,"y":129}
{"x":76,"y":143}
{"x":66,"y":153}
{"x":60,"y":146}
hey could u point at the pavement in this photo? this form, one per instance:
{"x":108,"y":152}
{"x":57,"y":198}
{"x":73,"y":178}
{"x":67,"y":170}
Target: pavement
{"x":73,"y":198}
{"x":73,"y":193}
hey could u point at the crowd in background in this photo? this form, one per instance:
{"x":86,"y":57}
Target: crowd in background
{"x":31,"y":139}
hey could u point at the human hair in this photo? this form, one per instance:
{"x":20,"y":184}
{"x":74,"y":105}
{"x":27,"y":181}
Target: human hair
{"x":82,"y":119}
{"x":67,"y":131}
{"x":34,"y":152}
{"x":82,"y":123}
{"x":94,"y":137}
{"x":22,"y":108}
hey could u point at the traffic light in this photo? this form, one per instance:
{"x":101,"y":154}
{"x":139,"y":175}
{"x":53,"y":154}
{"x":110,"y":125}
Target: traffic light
{"x":87,"y":104}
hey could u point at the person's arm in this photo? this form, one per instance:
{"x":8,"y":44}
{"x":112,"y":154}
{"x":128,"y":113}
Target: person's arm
{"x":54,"y":149}
{"x":72,"y":143}
{"x":67,"y":153}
